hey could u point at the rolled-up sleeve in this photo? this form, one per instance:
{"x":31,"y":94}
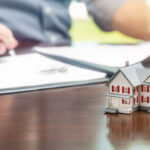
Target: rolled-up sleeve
{"x":103,"y":11}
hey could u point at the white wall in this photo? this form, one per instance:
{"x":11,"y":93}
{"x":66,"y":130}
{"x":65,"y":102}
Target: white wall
{"x":114,"y":102}
{"x":125,"y":108}
{"x":121,"y":81}
{"x":145,"y":95}
{"x":137,"y":94}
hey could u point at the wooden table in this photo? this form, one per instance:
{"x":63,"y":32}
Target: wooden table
{"x":69,"y":119}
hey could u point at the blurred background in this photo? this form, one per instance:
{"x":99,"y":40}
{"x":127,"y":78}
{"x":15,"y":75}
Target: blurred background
{"x":84,"y":29}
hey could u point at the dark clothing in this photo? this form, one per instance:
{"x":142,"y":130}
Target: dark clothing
{"x":48,"y":21}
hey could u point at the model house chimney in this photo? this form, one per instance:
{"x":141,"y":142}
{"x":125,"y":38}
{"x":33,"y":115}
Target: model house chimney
{"x":127,"y":63}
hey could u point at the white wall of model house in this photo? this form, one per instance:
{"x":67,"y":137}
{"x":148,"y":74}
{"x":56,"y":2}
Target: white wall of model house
{"x":123,"y":108}
{"x":120,"y":85}
{"x":137,"y":96}
{"x":145,"y":95}
{"x":122,"y":82}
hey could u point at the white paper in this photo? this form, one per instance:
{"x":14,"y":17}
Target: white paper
{"x":34,"y":70}
{"x":110,"y":55}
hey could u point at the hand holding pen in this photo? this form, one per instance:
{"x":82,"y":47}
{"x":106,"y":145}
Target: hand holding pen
{"x":7,"y":40}
{"x":12,"y":52}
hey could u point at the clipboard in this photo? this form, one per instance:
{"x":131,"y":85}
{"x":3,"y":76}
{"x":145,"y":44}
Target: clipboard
{"x":32,"y":72}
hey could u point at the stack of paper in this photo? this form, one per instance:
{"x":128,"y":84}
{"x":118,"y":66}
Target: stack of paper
{"x":33,"y":71}
{"x":109,"y":55}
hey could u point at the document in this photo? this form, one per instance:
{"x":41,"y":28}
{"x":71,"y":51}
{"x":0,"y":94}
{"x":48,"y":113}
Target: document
{"x":33,"y":71}
{"x":108,"y":55}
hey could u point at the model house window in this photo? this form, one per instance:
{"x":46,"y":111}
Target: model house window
{"x":126,"y":102}
{"x":122,"y":101}
{"x":137,"y":89}
{"x":112,"y":88}
{"x":118,"y":88}
{"x":129,"y":102}
{"x":123,"y":89}
{"x":128,"y":90}
{"x":134,"y":100}
{"x":147,"y":99}
{"x":137,"y":99}
{"x":115,"y":89}
{"x":142,"y":88}
{"x":142,"y":99}
{"x":147,"y":88}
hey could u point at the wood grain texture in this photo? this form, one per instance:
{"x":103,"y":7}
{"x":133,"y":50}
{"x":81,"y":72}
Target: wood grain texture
{"x":68,"y":119}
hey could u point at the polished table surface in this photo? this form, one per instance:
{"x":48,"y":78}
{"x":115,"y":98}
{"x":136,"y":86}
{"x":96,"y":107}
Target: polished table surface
{"x":69,"y":119}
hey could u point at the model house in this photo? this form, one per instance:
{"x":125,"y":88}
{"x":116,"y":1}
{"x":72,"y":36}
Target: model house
{"x":129,"y":90}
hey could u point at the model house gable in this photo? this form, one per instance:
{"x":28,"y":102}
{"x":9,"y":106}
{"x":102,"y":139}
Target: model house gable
{"x":120,"y":84}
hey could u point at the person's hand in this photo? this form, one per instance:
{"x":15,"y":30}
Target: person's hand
{"x":7,"y":39}
{"x":133,"y":19}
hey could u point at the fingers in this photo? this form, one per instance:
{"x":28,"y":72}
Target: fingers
{"x":7,"y":37}
{"x":2,"y":49}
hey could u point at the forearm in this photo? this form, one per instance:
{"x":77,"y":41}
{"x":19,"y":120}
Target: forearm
{"x":103,"y":11}
{"x":133,"y":19}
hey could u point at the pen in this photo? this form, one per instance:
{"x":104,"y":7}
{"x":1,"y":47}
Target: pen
{"x":12,"y":52}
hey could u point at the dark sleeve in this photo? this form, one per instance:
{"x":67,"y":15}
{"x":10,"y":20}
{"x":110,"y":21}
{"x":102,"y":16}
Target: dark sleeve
{"x":103,"y":11}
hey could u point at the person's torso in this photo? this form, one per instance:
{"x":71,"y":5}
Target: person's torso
{"x":39,"y":20}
